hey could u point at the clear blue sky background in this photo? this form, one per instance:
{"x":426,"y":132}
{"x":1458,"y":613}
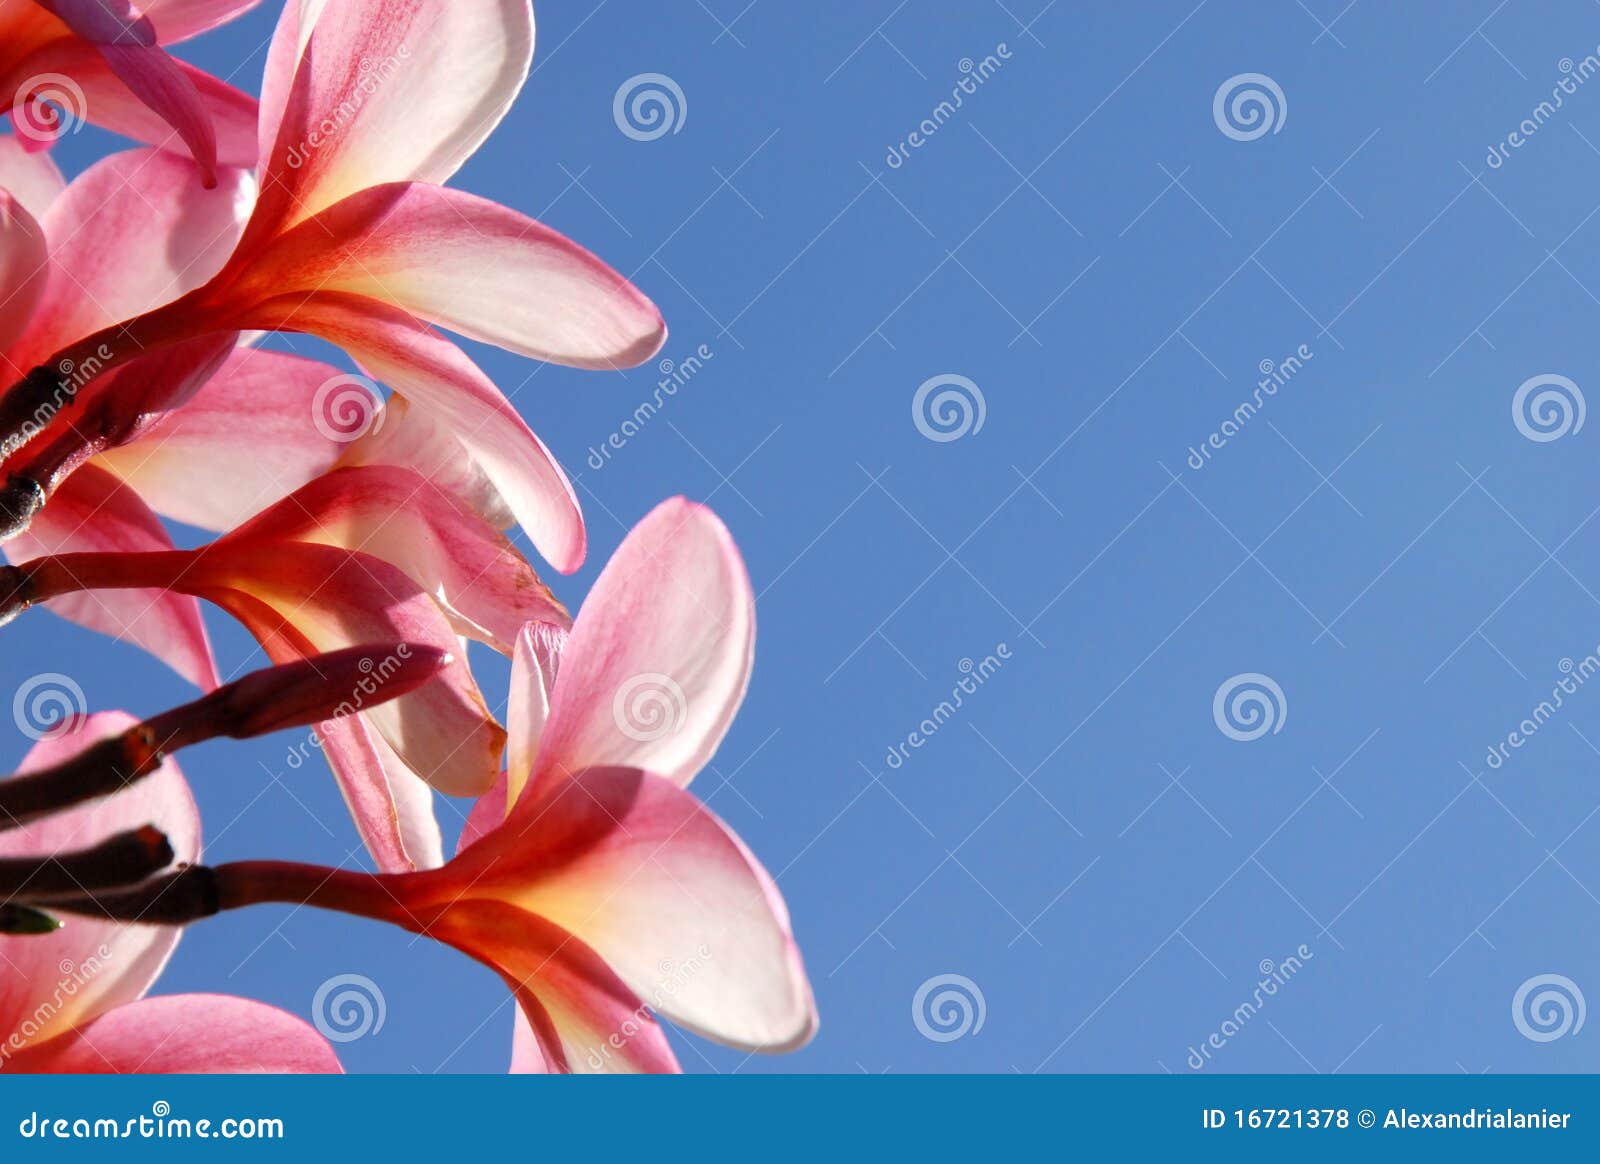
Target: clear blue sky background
{"x":1085,"y":244}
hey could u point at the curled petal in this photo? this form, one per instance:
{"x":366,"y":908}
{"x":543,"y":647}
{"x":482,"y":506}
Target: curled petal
{"x":164,"y":88}
{"x":533,"y":673}
{"x":436,"y":376}
{"x":300,"y":599}
{"x":410,"y":437}
{"x":391,"y":805}
{"x":484,"y":585}
{"x":145,"y":94}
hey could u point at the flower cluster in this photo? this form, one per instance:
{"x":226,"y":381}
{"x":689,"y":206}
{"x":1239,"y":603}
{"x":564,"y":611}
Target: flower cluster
{"x":361,"y":536}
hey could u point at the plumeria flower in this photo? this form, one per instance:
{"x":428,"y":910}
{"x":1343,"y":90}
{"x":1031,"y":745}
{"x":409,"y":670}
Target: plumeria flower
{"x":73,"y":1001}
{"x":359,"y":554}
{"x":65,"y":61}
{"x":593,"y":883}
{"x":201,"y":465}
{"x":133,"y":231}
{"x":367,"y":106}
{"x":592,"y":828}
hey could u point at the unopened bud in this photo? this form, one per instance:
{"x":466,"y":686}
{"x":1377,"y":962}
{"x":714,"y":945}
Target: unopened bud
{"x":304,"y":692}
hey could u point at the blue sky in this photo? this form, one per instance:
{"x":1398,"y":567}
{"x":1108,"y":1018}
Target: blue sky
{"x":1084,"y":243}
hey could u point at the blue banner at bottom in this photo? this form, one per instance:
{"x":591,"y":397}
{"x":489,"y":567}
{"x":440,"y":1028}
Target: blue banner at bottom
{"x":771,"y":1117}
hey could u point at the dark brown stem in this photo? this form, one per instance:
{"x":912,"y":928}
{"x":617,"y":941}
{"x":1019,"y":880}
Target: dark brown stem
{"x":201,"y":891}
{"x":99,"y":770}
{"x":176,"y":898}
{"x":50,"y":577}
{"x":119,"y":860}
{"x":295,"y":694}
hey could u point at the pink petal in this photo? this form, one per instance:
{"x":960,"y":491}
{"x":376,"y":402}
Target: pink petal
{"x":93,"y":408}
{"x":30,"y":175}
{"x":663,"y":891}
{"x":132,"y":232}
{"x":157,"y":81}
{"x":533,"y":672}
{"x":299,"y":599}
{"x":246,"y":439}
{"x":486,"y":815}
{"x":127,"y":42}
{"x":184,"y":1034}
{"x":413,"y":87}
{"x":178,"y":20}
{"x":88,"y":967}
{"x":436,"y":376}
{"x":660,"y":655}
{"x":469,"y":265}
{"x":24,"y":263}
{"x":480,"y":581}
{"x":391,"y":805}
{"x":145,"y":94}
{"x":102,"y":21}
{"x":93,"y":511}
{"x":408,"y":436}
{"x":526,"y":1056}
{"x":583,"y":1017}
